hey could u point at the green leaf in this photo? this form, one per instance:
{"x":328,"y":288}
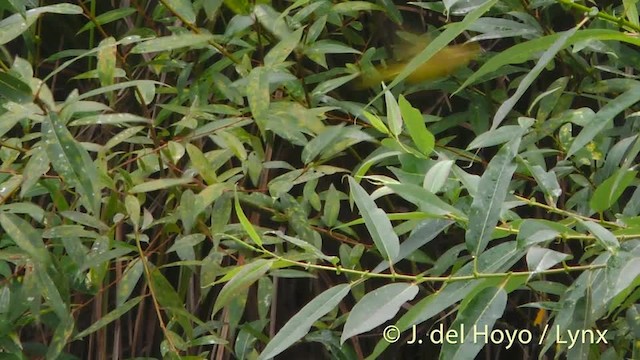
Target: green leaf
{"x":85,"y":219}
{"x":281,"y":51}
{"x":437,"y":176}
{"x":316,"y":146}
{"x":376,"y":307}
{"x":246,"y":224}
{"x":479,"y":315}
{"x":25,"y":237}
{"x":171,"y":42}
{"x":132,"y":205}
{"x":71,"y":161}
{"x":14,"y":89}
{"x":540,"y":259}
{"x":426,"y":231}
{"x":604,"y":236}
{"x":547,"y":181}
{"x":107,"y":17}
{"x":128,"y":281}
{"x":487,"y":203}
{"x":109,"y":119}
{"x":183,"y":9}
{"x":376,"y":221}
{"x":376,"y":122}
{"x":258,"y":94}
{"x":350,"y":6}
{"x":241,"y":281}
{"x":528,"y":50}
{"x":158,"y":184}
{"x":531,"y":76}
{"x":306,"y":246}
{"x":425,"y":200}
{"x":300,"y":324}
{"x":331,"y":206}
{"x":498,"y":136}
{"x":14,"y":25}
{"x":422,"y":138}
{"x":394,"y":119}
{"x":107,"y":61}
{"x":610,"y":190}
{"x":61,"y":337}
{"x":534,"y":231}
{"x":164,"y":291}
{"x":110,"y":317}
{"x":37,"y":165}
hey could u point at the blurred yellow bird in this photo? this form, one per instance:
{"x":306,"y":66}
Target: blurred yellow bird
{"x":441,"y":64}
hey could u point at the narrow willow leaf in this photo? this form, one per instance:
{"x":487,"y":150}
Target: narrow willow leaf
{"x":437,"y":176}
{"x":109,"y":119}
{"x":331,"y":206}
{"x":116,"y":87}
{"x":245,"y":223}
{"x":479,"y":315}
{"x":604,"y":236}
{"x":71,"y":161}
{"x":37,"y":165}
{"x":425,"y":200}
{"x":107,"y":61}
{"x":422,"y":138}
{"x":376,"y":221}
{"x":14,"y":89}
{"x":50,"y":292}
{"x":492,"y":191}
{"x":498,"y":136}
{"x":540,"y":259}
{"x":279,"y":53}
{"x":110,"y":317}
{"x":350,"y":6}
{"x":183,"y":9}
{"x":128,"y":282}
{"x":319,"y":144}
{"x":107,"y":17}
{"x":610,"y":190}
{"x":534,"y":231}
{"x":85,"y":219}
{"x":308,"y":247}
{"x":394,"y":118}
{"x":245,"y":277}
{"x":25,"y":237}
{"x":158,"y":184}
{"x":300,"y":324}
{"x":547,"y":181}
{"x":61,"y":337}
{"x":164,"y":291}
{"x":531,"y":76}
{"x":171,"y":42}
{"x":8,"y":187}
{"x":528,"y":50}
{"x":258,"y":94}
{"x":426,"y":231}
{"x":376,"y":307}
{"x":132,"y":205}
{"x":183,"y":246}
{"x":14,"y":25}
{"x":376,"y":122}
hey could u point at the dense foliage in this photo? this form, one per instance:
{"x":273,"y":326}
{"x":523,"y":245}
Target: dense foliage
{"x":244,"y":179}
